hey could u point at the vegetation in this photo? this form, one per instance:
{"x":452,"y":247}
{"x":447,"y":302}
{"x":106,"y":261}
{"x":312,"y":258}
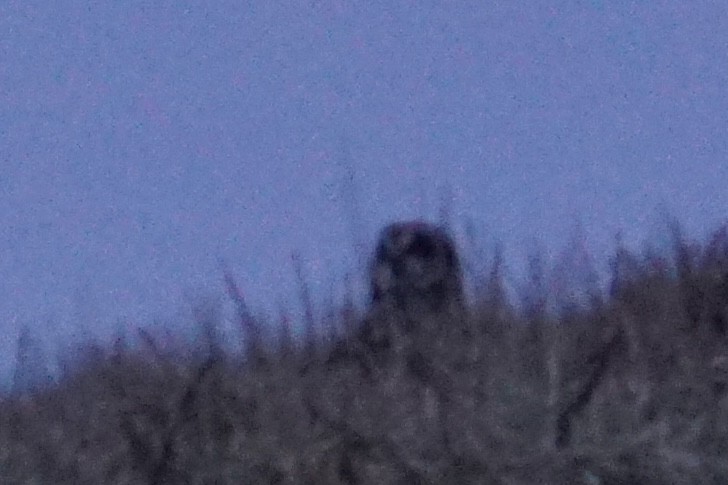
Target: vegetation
{"x":627,"y":389}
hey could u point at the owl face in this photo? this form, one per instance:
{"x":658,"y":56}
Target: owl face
{"x":415,"y":263}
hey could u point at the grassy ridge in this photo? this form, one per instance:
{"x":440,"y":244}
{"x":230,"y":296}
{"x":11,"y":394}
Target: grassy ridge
{"x":629,"y":391}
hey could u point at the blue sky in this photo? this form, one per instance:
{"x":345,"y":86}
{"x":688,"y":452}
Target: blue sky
{"x":143,"y":142}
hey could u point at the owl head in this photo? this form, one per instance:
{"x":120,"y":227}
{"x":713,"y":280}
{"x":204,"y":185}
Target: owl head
{"x":415,"y":265}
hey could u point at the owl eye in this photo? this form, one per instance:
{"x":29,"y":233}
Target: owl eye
{"x":422,"y":246}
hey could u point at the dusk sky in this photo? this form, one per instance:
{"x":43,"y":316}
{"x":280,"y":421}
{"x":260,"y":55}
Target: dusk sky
{"x":142,"y":143}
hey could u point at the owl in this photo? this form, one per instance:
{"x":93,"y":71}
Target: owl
{"x":415,"y":267}
{"x":416,"y":287}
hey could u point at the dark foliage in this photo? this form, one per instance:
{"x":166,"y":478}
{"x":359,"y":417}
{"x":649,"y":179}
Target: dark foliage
{"x":628,"y":390}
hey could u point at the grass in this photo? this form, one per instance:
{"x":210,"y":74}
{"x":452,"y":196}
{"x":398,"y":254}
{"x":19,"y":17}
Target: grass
{"x":630,"y":390}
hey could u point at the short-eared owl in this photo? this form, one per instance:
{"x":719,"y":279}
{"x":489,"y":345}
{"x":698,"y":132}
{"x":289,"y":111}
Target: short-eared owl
{"x":416,"y":286}
{"x":415,"y":266}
